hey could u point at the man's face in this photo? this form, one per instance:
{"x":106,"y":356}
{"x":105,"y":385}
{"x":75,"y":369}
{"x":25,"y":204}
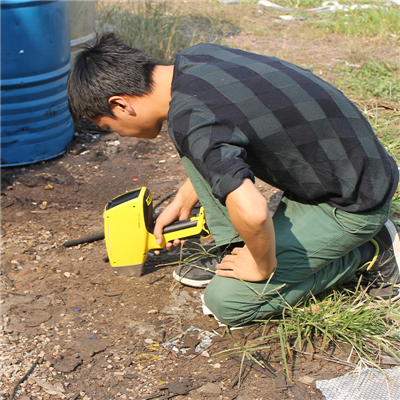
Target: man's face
{"x":140,"y":120}
{"x":128,"y":127}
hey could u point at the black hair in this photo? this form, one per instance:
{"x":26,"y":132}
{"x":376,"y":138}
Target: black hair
{"x":108,"y":68}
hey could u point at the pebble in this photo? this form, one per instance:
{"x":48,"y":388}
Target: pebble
{"x":210,"y":388}
{"x":307,"y":380}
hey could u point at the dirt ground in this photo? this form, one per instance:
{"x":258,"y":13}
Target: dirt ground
{"x":73,"y":329}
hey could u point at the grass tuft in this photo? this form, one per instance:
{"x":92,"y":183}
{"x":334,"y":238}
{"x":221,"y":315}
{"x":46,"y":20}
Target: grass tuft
{"x":370,"y":80}
{"x":366,"y":327}
{"x":159,"y":28}
{"x":377,"y":20}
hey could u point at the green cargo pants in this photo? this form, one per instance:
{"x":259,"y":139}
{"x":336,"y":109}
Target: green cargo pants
{"x":316,"y":248}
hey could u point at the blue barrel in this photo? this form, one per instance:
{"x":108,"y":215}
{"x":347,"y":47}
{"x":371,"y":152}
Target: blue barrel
{"x":35,"y":60}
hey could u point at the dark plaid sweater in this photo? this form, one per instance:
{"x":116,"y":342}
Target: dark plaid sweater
{"x":237,"y":115}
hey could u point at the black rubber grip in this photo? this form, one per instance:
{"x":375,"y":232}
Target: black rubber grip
{"x":179,"y":225}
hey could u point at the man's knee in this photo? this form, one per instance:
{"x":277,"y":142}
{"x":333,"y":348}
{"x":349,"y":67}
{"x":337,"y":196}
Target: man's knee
{"x":227,"y":305}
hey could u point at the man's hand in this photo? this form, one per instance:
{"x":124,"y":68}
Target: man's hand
{"x":171,"y":213}
{"x":241,"y":265}
{"x":249,"y":214}
{"x":179,"y":210}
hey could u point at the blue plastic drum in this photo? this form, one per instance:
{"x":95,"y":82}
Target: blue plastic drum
{"x":35,"y":60}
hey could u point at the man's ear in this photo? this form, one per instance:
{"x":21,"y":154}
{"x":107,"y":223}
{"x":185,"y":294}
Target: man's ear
{"x":121,"y":104}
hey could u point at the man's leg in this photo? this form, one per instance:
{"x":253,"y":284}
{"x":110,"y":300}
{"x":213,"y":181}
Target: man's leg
{"x":217,"y":216}
{"x":316,"y":248}
{"x":200,"y":272}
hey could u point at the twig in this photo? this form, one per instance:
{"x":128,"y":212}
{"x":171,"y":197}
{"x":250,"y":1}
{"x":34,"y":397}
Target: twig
{"x":254,"y":365}
{"x":15,"y":293}
{"x":8,"y":280}
{"x":157,"y":279}
{"x":172,"y":352}
{"x":30,"y":370}
{"x":48,"y":387}
{"x":265,"y":362}
{"x":333,"y":359}
{"x":154,"y":396}
{"x":150,"y":396}
{"x":235,"y":380}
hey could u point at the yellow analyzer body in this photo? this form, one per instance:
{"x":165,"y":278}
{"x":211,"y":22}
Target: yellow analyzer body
{"x":128,"y":230}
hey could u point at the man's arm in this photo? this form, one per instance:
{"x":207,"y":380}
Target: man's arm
{"x":249,"y":214}
{"x":179,"y":209}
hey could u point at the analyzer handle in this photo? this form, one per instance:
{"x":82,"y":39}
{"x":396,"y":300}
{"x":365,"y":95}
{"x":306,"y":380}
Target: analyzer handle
{"x":180,"y":230}
{"x":179,"y":225}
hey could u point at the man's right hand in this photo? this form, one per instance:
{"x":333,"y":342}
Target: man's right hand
{"x":178,"y":210}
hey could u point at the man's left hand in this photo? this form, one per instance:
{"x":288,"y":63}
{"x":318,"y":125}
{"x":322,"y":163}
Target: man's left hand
{"x":241,"y":265}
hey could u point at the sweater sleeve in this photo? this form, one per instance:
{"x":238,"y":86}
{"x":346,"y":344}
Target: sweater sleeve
{"x":217,"y":149}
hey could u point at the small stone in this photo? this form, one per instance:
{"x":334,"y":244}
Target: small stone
{"x":68,"y":364}
{"x":127,"y":362}
{"x":67,"y":274}
{"x":131,"y":375}
{"x":153,"y":311}
{"x":209,"y":376}
{"x":149,"y":341}
{"x":307,"y":380}
{"x":178,"y":387}
{"x":210,"y":388}
{"x":217,"y":365}
{"x":48,"y":187}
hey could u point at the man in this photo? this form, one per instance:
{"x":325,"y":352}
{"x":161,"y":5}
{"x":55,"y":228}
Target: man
{"x":234,"y":115}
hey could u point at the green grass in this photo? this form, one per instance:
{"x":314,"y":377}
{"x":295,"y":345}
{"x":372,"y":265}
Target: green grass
{"x":380,"y":21}
{"x":158,"y":28}
{"x":354,"y":321}
{"x":370,"y":80}
{"x":375,"y":89}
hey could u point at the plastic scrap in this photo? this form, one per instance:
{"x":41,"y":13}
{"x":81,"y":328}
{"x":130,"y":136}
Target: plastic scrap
{"x":273,"y":5}
{"x":333,"y":6}
{"x":369,"y":384}
{"x":327,"y":6}
{"x":177,"y":344}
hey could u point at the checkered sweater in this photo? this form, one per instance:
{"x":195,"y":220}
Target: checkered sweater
{"x":237,"y":115}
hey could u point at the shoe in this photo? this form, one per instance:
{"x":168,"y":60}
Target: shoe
{"x":199,"y":272}
{"x":382,"y":274}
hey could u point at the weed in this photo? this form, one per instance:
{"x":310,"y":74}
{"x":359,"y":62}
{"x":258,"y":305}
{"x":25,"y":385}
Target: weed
{"x":384,"y":118}
{"x":375,"y":21}
{"x":354,"y":320}
{"x":158,"y":28}
{"x":371,"y":79}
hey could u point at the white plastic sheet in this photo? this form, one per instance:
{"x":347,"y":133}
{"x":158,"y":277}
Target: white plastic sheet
{"x":327,"y":6}
{"x":369,"y":384}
